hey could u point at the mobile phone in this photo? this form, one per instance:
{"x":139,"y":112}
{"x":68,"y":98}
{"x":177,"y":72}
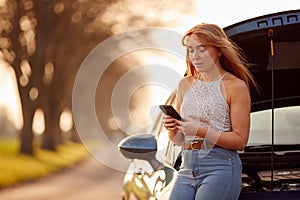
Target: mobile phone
{"x":170,"y":110}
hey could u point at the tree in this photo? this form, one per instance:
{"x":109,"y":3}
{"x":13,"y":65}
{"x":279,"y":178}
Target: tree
{"x":45,"y":42}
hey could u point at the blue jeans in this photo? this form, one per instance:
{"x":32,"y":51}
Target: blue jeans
{"x":208,"y":174}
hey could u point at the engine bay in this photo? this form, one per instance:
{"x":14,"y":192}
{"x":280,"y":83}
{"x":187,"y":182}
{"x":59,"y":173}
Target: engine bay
{"x":267,"y":171}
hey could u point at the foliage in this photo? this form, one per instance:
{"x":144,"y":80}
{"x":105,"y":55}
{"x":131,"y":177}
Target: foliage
{"x":45,"y":41}
{"x":16,"y":168}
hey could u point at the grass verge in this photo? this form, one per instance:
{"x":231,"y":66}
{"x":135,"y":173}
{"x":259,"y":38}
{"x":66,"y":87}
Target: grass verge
{"x":16,"y":168}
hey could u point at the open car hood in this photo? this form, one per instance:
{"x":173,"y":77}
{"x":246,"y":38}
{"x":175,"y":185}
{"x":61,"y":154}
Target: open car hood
{"x":254,"y":37}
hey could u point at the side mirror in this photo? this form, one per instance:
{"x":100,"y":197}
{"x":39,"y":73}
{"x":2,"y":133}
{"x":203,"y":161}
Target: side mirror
{"x":142,"y":147}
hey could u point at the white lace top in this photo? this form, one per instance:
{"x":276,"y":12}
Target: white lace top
{"x":205,"y":102}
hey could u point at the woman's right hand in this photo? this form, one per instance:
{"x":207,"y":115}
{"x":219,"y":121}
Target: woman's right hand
{"x":170,"y":123}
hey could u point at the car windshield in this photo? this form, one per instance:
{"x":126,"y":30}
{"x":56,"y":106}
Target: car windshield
{"x":286,"y":126}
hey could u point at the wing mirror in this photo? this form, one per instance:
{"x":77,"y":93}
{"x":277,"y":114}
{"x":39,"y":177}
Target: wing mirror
{"x":142,"y":147}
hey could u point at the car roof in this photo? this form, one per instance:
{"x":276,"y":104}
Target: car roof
{"x":254,"y":37}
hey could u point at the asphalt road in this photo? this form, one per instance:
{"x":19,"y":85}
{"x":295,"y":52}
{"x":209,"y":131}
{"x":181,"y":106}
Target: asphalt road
{"x":88,"y":180}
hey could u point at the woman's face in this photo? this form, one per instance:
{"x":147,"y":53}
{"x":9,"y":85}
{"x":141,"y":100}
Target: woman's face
{"x":203,"y":57}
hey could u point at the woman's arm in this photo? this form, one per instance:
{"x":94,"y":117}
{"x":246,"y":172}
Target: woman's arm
{"x":240,"y":105}
{"x":176,"y":136}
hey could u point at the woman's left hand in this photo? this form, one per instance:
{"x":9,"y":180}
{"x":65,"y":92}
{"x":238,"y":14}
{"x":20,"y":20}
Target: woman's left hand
{"x":188,"y":126}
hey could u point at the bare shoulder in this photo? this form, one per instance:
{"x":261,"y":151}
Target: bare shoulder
{"x":186,"y":82}
{"x":236,"y":89}
{"x":234,"y":83}
{"x":188,"y":79}
{"x":184,"y":85}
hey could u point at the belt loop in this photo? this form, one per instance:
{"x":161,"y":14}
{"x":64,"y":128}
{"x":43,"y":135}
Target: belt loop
{"x":204,"y":144}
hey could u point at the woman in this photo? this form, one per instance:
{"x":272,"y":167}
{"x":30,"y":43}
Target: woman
{"x":214,"y":101}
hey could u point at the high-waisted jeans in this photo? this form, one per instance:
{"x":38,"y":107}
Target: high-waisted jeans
{"x":208,"y":174}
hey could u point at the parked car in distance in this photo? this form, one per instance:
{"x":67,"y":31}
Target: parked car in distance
{"x":271,"y":160}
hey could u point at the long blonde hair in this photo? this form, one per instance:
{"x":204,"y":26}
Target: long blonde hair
{"x":232,"y":60}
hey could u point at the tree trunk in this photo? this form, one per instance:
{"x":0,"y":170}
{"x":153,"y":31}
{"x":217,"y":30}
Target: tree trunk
{"x":27,"y":136}
{"x":28,"y":106}
{"x":51,"y":136}
{"x":44,"y":38}
{"x":74,"y":135}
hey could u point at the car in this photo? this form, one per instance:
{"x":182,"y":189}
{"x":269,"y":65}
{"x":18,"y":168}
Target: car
{"x":271,"y":159}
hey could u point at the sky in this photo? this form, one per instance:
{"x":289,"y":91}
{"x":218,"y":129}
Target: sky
{"x":220,"y":12}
